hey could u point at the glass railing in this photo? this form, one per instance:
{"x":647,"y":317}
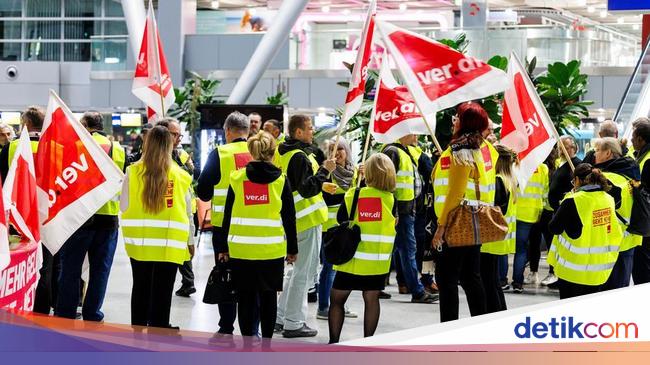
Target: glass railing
{"x":108,"y":53}
{"x":593,"y":45}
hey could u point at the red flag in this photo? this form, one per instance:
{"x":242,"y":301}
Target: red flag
{"x":526,"y":127}
{"x":395,"y":113}
{"x":438,"y":76}
{"x":357,"y":88}
{"x":20,"y":190}
{"x":74,"y":175}
{"x":5,"y":257}
{"x":152,"y":83}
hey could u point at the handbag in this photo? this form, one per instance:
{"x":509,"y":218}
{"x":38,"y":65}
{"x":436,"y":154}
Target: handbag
{"x":340,"y":243}
{"x":640,"y":217}
{"x":220,"y":287}
{"x":471,"y":225}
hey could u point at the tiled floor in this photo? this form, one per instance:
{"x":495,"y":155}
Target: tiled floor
{"x":192,"y":314}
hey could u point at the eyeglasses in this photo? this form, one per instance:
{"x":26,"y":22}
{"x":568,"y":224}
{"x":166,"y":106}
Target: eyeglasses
{"x":177,"y":135}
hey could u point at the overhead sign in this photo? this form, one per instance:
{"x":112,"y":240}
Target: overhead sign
{"x":628,"y":5}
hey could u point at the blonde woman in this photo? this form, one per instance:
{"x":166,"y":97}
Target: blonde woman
{"x":376,"y":217}
{"x":156,"y":223}
{"x":505,"y":198}
{"x":260,"y":227}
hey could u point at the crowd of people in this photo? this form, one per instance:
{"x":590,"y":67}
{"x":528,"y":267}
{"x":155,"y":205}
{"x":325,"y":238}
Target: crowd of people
{"x":274,"y":194}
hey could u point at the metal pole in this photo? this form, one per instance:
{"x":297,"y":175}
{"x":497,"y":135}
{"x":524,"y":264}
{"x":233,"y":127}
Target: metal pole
{"x":134,"y":15}
{"x":267,"y":49}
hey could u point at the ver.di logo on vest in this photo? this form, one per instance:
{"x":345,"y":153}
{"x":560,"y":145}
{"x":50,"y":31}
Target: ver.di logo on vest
{"x":369,"y":209}
{"x":255,"y":193}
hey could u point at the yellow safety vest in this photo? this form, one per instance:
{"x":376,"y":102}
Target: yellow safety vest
{"x":256,"y":231}
{"x":625,"y":209}
{"x":589,"y":259}
{"x":332,"y":210}
{"x":117,"y":154}
{"x":531,"y":203}
{"x":415,"y":152}
{"x":162,"y":236}
{"x":405,"y":187}
{"x":281,"y":138}
{"x":13,"y":145}
{"x":485,"y":160}
{"x":183,"y":156}
{"x":643,"y":160}
{"x":374,"y":216}
{"x":310,"y":212}
{"x":232,"y":156}
{"x":508,"y":244}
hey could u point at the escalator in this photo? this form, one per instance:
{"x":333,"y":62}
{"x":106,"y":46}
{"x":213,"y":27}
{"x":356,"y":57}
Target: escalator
{"x":635,"y":102}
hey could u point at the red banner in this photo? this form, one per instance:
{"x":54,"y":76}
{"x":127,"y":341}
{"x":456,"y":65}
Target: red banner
{"x":18,"y":280}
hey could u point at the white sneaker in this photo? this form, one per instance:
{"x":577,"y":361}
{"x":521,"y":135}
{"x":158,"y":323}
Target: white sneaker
{"x":350,"y":314}
{"x":549,"y":279}
{"x":531,"y":278}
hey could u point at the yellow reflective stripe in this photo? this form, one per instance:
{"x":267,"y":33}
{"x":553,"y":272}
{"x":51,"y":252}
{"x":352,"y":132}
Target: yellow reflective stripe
{"x":534,"y":185}
{"x":218,"y":208}
{"x":155,"y":242}
{"x":156,"y":223}
{"x":297,"y":198}
{"x":440,"y":198}
{"x":441,"y":181}
{"x":531,"y":196}
{"x":256,"y":240}
{"x":220,"y":192}
{"x":310,"y":209}
{"x":372,"y":256}
{"x":561,"y":261}
{"x":404,"y":185}
{"x":377,"y":238}
{"x":332,"y":215}
{"x":405,"y":173}
{"x":585,"y":250}
{"x":256,"y":222}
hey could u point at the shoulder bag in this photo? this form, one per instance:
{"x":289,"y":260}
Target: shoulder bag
{"x":340,"y":243}
{"x":470,"y":225}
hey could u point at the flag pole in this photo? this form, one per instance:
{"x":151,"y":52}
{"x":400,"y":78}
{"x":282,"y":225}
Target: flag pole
{"x":160,"y":89}
{"x":543,"y":108}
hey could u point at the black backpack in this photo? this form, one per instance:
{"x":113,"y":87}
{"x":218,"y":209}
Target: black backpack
{"x":640,"y":217}
{"x":340,"y":243}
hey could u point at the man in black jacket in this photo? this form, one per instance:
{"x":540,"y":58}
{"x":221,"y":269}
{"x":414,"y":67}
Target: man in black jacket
{"x":641,"y":143}
{"x":561,"y":183}
{"x":297,"y":162}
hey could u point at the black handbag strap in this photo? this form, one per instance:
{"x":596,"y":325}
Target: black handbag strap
{"x":353,"y":209}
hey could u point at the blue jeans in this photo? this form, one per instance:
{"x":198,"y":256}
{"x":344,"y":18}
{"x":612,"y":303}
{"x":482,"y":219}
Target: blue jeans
{"x":521,"y":252}
{"x":406,"y":247}
{"x":622,"y":271}
{"x":325,"y":280}
{"x":100,"y":246}
{"x":502,"y":264}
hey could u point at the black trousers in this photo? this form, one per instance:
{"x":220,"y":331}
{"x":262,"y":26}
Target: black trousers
{"x":46,"y":290}
{"x":187,"y":274}
{"x":570,"y":290}
{"x":250,"y":314}
{"x":151,"y":296}
{"x":537,"y":232}
{"x":454,"y":265}
{"x":641,"y":266}
{"x":494,"y":299}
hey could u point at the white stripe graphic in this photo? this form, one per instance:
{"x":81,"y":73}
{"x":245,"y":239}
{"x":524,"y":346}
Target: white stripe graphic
{"x":372,"y":256}
{"x":155,"y":242}
{"x":310,"y":209}
{"x":254,"y":240}
{"x":256,"y":222}
{"x":156,"y":223}
{"x":377,"y":238}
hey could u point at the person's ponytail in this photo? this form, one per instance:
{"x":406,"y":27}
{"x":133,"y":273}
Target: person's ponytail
{"x":596,"y":177}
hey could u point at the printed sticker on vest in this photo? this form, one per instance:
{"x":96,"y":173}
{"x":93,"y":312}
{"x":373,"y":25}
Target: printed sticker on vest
{"x":242,"y":159}
{"x":169,"y":194}
{"x":255,"y":194}
{"x":445,"y":163}
{"x":487,"y":158}
{"x":369,"y":209}
{"x":602,"y":217}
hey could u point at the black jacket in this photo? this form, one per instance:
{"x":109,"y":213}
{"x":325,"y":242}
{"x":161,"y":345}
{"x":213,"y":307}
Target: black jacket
{"x":300,"y":172}
{"x":501,"y":195}
{"x":625,"y":166}
{"x":262,"y":173}
{"x":566,"y":218}
{"x":560,"y":183}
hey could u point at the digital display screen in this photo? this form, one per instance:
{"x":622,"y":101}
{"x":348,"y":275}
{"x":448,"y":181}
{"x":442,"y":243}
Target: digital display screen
{"x":11,"y":118}
{"x":131,"y":119}
{"x":628,"y":5}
